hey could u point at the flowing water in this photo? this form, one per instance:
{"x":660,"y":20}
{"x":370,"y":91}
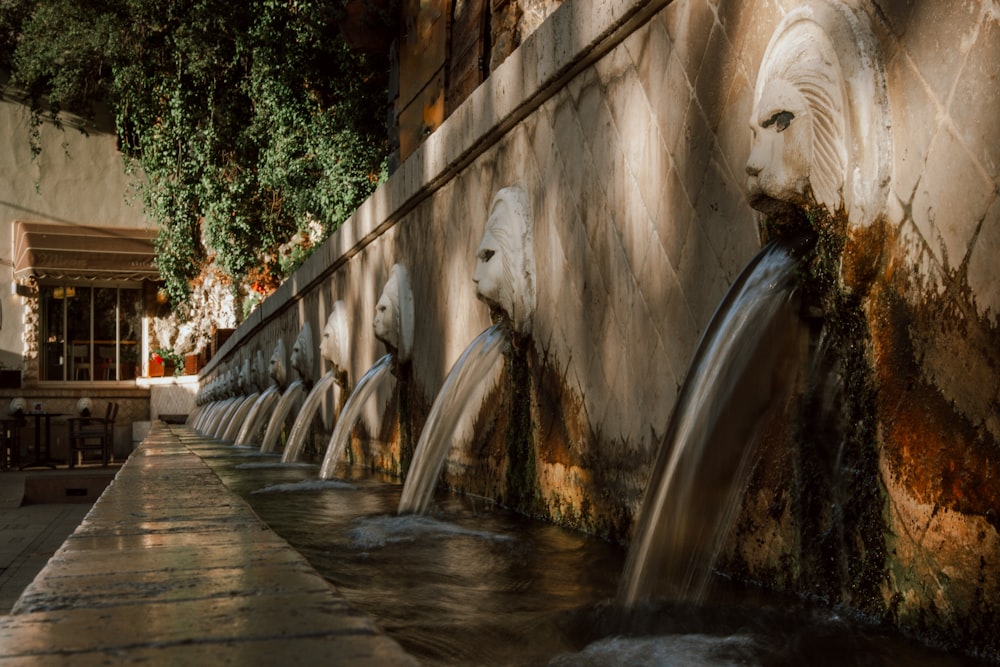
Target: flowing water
{"x":214,"y":415}
{"x":303,"y":425}
{"x":744,"y":367}
{"x":457,"y":403}
{"x":255,"y":421}
{"x":472,"y":584}
{"x":467,"y":583}
{"x":221,"y":418}
{"x":368,"y":383}
{"x":239,"y":417}
{"x":292,"y":395}
{"x":206,"y":415}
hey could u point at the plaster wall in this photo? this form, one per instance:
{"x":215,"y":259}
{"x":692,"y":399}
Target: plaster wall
{"x":78,"y":178}
{"x":626,"y":122}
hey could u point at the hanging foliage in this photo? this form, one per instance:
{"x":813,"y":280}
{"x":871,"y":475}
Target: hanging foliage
{"x":247,"y":121}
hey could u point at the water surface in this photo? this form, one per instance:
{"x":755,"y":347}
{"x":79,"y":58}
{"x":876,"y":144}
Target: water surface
{"x":467,"y":583}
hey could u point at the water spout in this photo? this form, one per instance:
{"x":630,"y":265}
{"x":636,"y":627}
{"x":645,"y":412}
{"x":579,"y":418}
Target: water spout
{"x":505,"y":261}
{"x":218,"y":416}
{"x":743,"y":368}
{"x":505,"y":281}
{"x":352,"y":410}
{"x":239,"y":417}
{"x":393,"y":326}
{"x":303,"y":422}
{"x":333,"y":347}
{"x":456,"y":405}
{"x":288,"y":399}
{"x":255,"y":420}
{"x":301,"y":363}
{"x":254,"y":423}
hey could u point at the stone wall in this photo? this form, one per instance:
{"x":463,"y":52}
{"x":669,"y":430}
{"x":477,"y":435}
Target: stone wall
{"x":626,"y":122}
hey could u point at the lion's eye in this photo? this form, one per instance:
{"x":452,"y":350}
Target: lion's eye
{"x":486,"y":255}
{"x":781,"y":120}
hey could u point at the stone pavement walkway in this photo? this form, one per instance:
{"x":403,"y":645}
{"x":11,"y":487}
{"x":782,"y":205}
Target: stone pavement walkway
{"x":36,"y":517}
{"x":29,"y":536}
{"x":170,"y":567}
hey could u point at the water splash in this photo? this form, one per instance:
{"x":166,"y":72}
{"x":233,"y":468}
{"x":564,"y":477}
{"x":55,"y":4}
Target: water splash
{"x":379,"y":531}
{"x":291,"y":396}
{"x":744,"y":367}
{"x":306,"y":485}
{"x":690,"y":650}
{"x":456,"y":405}
{"x":303,"y":422}
{"x":274,"y":464}
{"x":357,"y":400}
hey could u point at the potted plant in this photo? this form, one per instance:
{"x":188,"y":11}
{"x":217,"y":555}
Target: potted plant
{"x":164,"y":362}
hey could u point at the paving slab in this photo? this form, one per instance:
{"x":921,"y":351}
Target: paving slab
{"x":29,"y":536}
{"x":170,"y":567}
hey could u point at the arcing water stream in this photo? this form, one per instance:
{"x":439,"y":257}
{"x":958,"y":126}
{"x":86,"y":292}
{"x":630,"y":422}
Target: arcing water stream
{"x":460,"y":398}
{"x":743,"y":368}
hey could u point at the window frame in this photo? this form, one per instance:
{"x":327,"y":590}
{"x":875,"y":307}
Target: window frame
{"x":42,"y":325}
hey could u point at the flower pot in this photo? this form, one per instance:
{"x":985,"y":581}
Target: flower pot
{"x":192,"y":364}
{"x":155,"y":369}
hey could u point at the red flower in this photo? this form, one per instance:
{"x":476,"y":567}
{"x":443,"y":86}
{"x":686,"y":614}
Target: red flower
{"x":157,"y":358}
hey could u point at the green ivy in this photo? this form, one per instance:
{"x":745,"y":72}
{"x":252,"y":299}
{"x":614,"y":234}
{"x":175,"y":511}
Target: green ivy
{"x":245,"y":120}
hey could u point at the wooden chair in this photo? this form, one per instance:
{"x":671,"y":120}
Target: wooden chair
{"x":92,"y":433}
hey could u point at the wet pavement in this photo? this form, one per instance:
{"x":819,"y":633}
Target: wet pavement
{"x":170,"y":567}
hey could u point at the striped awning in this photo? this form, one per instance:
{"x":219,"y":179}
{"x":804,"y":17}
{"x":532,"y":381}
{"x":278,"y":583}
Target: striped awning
{"x":83,"y":252}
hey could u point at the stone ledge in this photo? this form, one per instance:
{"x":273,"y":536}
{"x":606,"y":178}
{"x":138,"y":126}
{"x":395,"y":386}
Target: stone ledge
{"x":169,"y":566}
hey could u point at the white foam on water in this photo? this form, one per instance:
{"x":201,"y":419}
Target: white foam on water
{"x":377,"y":532}
{"x":690,"y":650}
{"x":307,"y":485}
{"x":275,"y":464}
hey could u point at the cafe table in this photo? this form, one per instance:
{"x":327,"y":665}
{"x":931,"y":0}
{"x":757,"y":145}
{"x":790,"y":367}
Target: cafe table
{"x":40,"y":461}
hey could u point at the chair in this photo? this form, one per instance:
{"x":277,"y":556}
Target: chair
{"x":81,"y":362}
{"x":109,"y":369}
{"x":92,"y":433}
{"x":10,"y":442}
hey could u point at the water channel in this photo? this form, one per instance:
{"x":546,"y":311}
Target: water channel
{"x":469,"y":583}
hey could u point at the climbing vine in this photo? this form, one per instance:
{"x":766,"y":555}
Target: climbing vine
{"x":244,"y":123}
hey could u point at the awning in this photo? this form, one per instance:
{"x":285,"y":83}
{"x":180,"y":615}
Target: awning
{"x":83,"y":252}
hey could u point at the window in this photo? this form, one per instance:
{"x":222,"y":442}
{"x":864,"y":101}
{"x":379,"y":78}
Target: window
{"x":90,"y":333}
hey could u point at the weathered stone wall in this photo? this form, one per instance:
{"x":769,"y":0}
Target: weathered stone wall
{"x":626,"y":123}
{"x":935,"y":314}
